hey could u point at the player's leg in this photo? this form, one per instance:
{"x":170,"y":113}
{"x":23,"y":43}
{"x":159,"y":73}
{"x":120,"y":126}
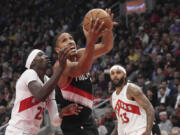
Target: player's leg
{"x":138,"y":132}
{"x":90,"y":128}
{"x":14,"y":131}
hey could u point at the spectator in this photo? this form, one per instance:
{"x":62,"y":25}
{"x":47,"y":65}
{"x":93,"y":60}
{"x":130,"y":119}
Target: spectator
{"x":108,"y":120}
{"x":175,"y":28}
{"x":143,"y":36}
{"x":152,"y":96}
{"x":163,"y":98}
{"x":98,"y":96}
{"x":101,"y":128}
{"x":2,"y":100}
{"x":165,"y":124}
{"x":158,"y":76}
{"x":4,"y":117}
{"x":175,"y":131}
{"x":175,"y":120}
{"x":176,"y":98}
{"x":164,"y":84}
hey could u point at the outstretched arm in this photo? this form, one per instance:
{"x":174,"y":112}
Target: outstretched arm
{"x":85,"y":62}
{"x":104,"y":47}
{"x":135,"y":92}
{"x":55,"y":116}
{"x":107,"y":41}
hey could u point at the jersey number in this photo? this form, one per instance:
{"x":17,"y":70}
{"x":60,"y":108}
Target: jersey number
{"x":124,"y":118}
{"x":39,"y":113}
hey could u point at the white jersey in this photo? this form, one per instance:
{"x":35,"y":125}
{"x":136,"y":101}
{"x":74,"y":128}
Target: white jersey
{"x":27,"y":112}
{"x":130,"y":115}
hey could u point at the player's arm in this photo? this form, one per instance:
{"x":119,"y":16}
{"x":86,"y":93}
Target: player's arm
{"x":42,"y":92}
{"x":85,"y":62}
{"x":135,"y":92}
{"x":55,"y":116}
{"x":107,"y":41}
{"x":100,"y":49}
{"x":111,"y":101}
{"x":115,"y":132}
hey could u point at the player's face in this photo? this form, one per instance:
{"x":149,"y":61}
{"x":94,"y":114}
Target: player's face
{"x":42,"y":60}
{"x":65,"y":39}
{"x":117,"y":77}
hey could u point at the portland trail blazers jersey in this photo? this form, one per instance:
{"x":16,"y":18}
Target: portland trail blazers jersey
{"x":78,"y":90}
{"x":131,"y":116}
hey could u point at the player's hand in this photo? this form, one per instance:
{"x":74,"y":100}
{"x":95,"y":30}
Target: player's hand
{"x":63,"y":54}
{"x":108,"y":10}
{"x":72,"y":109}
{"x":94,"y":32}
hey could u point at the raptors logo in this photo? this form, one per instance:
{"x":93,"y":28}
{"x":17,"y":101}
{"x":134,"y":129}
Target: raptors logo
{"x":127,"y":108}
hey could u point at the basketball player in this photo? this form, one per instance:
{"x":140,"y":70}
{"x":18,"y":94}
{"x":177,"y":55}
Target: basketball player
{"x":34,"y":94}
{"x":134,"y":112}
{"x":75,"y":84}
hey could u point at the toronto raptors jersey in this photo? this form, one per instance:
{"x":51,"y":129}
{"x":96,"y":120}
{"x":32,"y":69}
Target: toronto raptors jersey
{"x":131,"y":116}
{"x":27,"y":112}
{"x":78,"y":90}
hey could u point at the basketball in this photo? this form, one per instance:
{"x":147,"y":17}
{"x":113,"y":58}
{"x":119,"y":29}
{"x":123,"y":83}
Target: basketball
{"x":97,"y":13}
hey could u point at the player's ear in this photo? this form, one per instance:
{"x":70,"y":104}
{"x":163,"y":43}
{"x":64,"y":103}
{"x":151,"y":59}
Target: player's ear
{"x":57,"y":49}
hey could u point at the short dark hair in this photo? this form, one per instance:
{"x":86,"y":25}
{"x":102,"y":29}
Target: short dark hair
{"x":56,"y":37}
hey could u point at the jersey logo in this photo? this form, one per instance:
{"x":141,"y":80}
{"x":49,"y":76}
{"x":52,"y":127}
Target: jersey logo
{"x":126,"y":107}
{"x":28,"y":103}
{"x":82,"y":77}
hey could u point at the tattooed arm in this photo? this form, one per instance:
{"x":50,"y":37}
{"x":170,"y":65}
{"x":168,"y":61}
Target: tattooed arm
{"x":136,"y":93}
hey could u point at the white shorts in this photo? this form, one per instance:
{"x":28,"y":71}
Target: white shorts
{"x":137,"y":132}
{"x":10,"y":130}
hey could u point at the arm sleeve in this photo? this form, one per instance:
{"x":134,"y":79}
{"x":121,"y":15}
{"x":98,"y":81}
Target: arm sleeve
{"x":53,"y":110}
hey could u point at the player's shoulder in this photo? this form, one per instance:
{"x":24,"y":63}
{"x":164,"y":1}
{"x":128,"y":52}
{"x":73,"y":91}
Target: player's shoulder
{"x":113,"y":94}
{"x":133,"y":88}
{"x":28,"y":72}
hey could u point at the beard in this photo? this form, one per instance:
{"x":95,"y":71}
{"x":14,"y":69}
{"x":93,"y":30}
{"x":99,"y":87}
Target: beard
{"x":119,"y":83}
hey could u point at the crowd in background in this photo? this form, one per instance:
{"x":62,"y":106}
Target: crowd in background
{"x":148,"y":46}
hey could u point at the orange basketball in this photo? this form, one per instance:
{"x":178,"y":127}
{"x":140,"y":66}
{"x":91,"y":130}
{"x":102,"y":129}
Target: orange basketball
{"x":97,"y":13}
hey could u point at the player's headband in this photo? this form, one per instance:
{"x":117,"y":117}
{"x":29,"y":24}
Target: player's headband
{"x":31,"y":57}
{"x":115,"y":67}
